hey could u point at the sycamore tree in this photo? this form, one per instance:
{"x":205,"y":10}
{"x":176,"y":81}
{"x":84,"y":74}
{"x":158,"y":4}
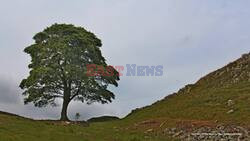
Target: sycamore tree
{"x":59,"y":68}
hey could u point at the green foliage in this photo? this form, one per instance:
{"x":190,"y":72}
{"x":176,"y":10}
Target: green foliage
{"x":58,"y":67}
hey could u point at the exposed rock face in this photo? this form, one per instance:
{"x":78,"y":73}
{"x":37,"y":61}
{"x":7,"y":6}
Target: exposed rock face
{"x":219,"y":133}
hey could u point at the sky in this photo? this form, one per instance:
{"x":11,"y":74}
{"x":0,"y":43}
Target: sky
{"x":188,"y":38}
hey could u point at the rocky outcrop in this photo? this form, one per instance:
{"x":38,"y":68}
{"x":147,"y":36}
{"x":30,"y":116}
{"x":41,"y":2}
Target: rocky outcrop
{"x":219,"y":133}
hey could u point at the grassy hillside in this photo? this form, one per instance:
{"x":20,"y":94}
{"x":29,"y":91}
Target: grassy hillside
{"x":221,"y":96}
{"x":15,"y":128}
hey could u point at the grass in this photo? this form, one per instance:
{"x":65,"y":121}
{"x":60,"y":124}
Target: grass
{"x":13,"y":128}
{"x":202,"y":103}
{"x":207,"y":99}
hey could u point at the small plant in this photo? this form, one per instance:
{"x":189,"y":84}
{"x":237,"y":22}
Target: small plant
{"x":77,"y":116}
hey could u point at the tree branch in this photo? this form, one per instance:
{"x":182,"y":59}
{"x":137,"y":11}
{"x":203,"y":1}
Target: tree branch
{"x":77,"y":92}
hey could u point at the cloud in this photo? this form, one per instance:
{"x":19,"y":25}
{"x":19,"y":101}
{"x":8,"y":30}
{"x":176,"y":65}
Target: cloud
{"x":8,"y":91}
{"x":11,"y":100}
{"x":189,"y":38}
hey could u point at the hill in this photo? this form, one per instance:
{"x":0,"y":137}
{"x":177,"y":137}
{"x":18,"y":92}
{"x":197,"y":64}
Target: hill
{"x":218,"y":103}
{"x":211,"y":98}
{"x":221,"y":97}
{"x":103,"y":119}
{"x":16,"y":128}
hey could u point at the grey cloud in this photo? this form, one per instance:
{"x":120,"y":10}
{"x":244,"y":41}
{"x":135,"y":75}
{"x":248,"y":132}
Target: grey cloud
{"x":11,"y":100}
{"x":189,"y":38}
{"x":8,"y":91}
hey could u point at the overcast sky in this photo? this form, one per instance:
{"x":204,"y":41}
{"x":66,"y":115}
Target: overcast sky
{"x":190,"y":38}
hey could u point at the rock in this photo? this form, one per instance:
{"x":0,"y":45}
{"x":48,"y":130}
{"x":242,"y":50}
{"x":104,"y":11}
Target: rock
{"x":230,"y":103}
{"x":65,"y":123}
{"x":230,"y":111}
{"x":178,"y":134}
{"x":173,"y":129}
{"x":218,"y":133}
{"x":149,"y":130}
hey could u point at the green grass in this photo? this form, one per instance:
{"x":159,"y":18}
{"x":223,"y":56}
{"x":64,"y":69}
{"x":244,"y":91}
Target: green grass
{"x":202,"y":105}
{"x":13,"y":128}
{"x":203,"y":102}
{"x":207,"y":99}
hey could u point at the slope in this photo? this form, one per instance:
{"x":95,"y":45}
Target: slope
{"x":221,"y":96}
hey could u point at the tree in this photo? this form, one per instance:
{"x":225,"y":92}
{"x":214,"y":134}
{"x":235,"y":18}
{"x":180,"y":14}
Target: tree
{"x":58,"y":69}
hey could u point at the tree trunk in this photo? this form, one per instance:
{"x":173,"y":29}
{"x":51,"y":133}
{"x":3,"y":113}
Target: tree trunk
{"x":66,"y":101}
{"x":64,"y":116}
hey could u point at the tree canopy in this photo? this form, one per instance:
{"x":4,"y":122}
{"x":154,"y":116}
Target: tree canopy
{"x":58,"y":69}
